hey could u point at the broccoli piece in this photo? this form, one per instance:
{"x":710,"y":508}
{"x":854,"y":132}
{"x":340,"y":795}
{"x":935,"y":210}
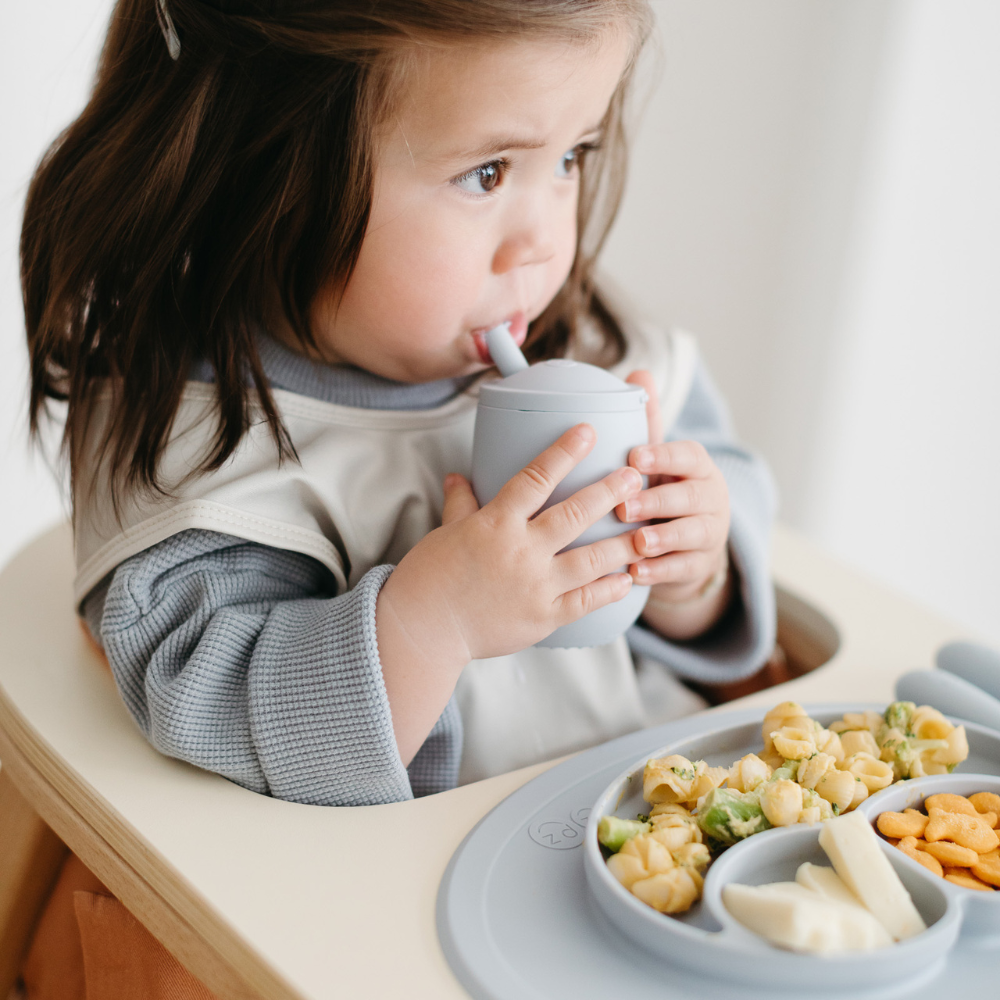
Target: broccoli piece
{"x":789,"y":770}
{"x":905,"y":753}
{"x":728,"y":816}
{"x":612,"y":832}
{"x":899,"y":715}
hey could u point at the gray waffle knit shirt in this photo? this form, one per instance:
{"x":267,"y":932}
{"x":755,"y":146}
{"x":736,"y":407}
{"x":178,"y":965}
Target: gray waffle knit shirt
{"x":242,"y":659}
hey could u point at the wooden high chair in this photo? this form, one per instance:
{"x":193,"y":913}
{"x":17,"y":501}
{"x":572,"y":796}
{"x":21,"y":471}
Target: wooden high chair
{"x":260,"y":898}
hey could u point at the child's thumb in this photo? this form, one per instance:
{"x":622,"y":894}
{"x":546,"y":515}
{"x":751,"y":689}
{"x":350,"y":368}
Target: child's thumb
{"x":459,"y":500}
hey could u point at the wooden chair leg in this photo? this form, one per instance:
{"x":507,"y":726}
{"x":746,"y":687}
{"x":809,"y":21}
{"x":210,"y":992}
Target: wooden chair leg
{"x":30,"y":858}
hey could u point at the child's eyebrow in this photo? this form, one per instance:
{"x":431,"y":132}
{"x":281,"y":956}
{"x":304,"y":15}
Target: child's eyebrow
{"x":493,"y":146}
{"x":498,"y":144}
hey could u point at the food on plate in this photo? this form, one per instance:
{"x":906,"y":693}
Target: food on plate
{"x":858,"y":905}
{"x":805,"y":773}
{"x":677,"y":780}
{"x":612,"y":832}
{"x":956,"y":839}
{"x":793,"y":916}
{"x":663,"y":867}
{"x":852,"y":846}
{"x":914,"y":741}
{"x":826,"y":882}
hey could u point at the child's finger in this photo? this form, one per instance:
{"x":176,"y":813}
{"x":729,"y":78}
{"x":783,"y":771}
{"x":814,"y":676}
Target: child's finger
{"x":564,"y":522}
{"x":653,"y":416}
{"x":525,"y":492}
{"x":681,"y":534}
{"x":459,"y":500}
{"x":688,"y":570}
{"x":680,"y":499}
{"x":577,"y":603}
{"x":580,"y":566}
{"x":673,"y":458}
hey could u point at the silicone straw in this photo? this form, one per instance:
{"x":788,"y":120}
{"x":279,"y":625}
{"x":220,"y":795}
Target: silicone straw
{"x":505,"y":353}
{"x":951,"y":695}
{"x":974,"y":663}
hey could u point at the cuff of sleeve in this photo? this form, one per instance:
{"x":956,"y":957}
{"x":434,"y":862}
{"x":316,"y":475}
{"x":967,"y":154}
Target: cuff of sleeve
{"x":328,"y":732}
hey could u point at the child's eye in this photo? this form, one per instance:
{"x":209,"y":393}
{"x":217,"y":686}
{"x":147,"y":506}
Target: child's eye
{"x":482,"y":179}
{"x":574,"y":158}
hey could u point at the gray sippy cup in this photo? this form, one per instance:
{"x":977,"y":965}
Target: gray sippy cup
{"x":524,"y":413}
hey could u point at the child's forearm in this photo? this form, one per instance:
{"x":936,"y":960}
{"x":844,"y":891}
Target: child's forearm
{"x":685,"y":620}
{"x":419,"y":666}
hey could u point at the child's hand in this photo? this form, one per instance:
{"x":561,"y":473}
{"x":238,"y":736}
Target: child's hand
{"x":494,"y":580}
{"x":685,"y":547}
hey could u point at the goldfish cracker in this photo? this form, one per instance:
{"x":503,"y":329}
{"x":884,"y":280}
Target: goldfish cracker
{"x":968,"y":831}
{"x":960,"y":876}
{"x":952,"y":854}
{"x":986,"y":802}
{"x":932,"y":864}
{"x":947,"y":802}
{"x":905,"y":824}
{"x":987,"y":868}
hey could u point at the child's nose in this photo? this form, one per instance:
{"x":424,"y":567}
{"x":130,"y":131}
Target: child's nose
{"x":531,"y":242}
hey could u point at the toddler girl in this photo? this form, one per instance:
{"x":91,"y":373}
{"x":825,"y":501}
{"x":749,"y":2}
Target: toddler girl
{"x":258,"y":268}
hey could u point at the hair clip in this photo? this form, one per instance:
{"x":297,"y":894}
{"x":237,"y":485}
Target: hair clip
{"x":166,"y":24}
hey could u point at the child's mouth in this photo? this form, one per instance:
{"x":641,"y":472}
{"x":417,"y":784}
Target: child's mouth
{"x":518,"y":325}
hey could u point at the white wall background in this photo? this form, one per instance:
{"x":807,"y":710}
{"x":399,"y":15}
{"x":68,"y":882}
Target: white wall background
{"x":813,"y":192}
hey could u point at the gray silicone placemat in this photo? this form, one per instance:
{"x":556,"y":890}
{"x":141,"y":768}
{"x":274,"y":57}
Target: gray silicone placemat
{"x":515,"y":918}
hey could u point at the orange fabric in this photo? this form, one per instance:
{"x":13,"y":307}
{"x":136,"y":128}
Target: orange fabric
{"x":53,"y":969}
{"x":87,"y":946}
{"x":122,"y":959}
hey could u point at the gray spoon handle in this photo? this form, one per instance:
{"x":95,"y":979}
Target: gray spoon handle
{"x":951,"y":695}
{"x":974,"y":663}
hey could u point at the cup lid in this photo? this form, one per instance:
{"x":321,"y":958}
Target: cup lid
{"x":563,"y":385}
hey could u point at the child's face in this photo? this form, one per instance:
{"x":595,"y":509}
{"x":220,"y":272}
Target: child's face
{"x":473,"y":220}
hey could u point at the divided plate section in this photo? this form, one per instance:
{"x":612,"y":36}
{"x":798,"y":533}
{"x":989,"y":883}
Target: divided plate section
{"x":707,"y":938}
{"x":774,"y":856}
{"x":981,"y":909}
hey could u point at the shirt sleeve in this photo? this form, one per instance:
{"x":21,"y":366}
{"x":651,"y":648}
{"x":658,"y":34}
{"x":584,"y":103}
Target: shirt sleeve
{"x":243,"y":660}
{"x":743,"y":640}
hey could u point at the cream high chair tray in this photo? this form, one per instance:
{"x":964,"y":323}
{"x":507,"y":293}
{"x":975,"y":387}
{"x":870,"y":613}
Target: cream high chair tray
{"x":267,"y":899}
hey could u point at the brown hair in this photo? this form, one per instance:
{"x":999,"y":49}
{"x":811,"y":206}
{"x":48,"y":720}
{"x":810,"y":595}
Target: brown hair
{"x":189,"y":194}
